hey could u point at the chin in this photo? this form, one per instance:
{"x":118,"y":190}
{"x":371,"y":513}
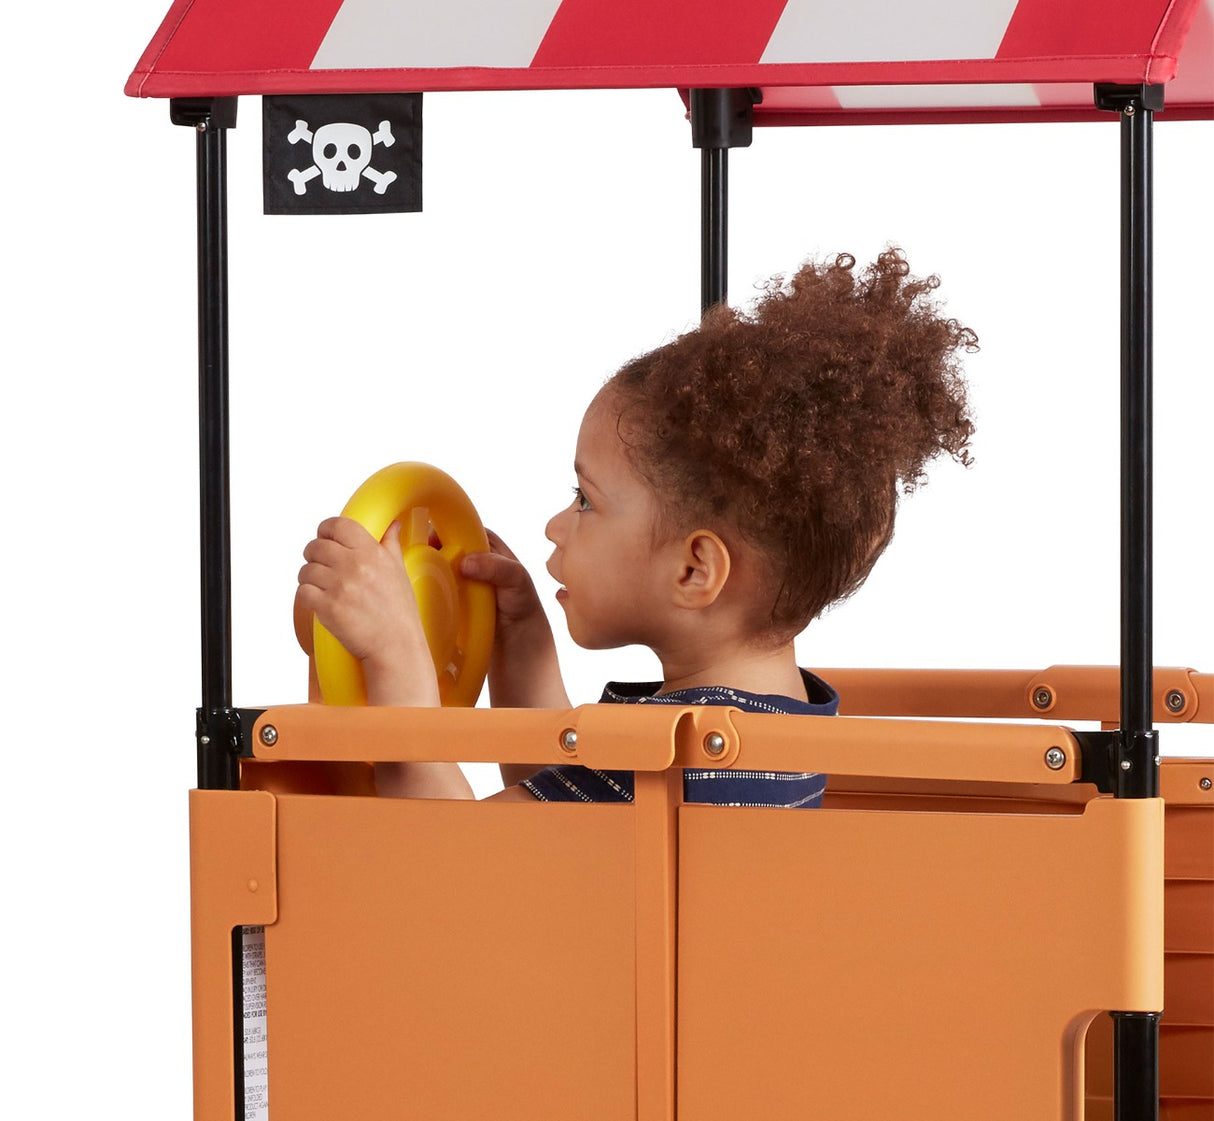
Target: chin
{"x":588,"y":639}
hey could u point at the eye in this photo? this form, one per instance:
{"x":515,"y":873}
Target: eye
{"x":580,"y":500}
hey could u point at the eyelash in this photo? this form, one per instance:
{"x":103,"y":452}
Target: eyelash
{"x":579,"y":497}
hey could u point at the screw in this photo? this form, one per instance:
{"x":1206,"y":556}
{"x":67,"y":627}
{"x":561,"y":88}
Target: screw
{"x":269,"y":735}
{"x":1055,"y":758}
{"x":204,"y":740}
{"x":1126,"y":764}
{"x":1175,"y":700}
{"x":1129,"y":110}
{"x":714,"y":743}
{"x":1043,"y":697}
{"x":569,"y":740}
{"x":1205,"y":784}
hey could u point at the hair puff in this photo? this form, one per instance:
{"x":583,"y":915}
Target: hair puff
{"x":798,"y":422}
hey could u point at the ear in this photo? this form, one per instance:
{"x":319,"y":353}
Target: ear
{"x":704,"y":566}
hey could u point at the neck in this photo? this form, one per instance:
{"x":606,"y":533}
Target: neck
{"x":766,"y":670}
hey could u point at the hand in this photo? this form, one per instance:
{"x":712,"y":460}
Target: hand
{"x":357,"y":587}
{"x":523,"y":672}
{"x":517,"y":599}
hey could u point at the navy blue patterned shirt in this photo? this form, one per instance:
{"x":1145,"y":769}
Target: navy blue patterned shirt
{"x":722,"y":788}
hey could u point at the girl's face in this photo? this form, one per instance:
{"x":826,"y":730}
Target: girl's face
{"x":613,"y":577}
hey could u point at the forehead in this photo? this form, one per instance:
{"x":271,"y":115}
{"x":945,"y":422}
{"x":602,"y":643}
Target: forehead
{"x":601,"y":452}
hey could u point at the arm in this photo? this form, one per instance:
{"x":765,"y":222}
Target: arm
{"x":358,"y":588}
{"x":523,"y":670}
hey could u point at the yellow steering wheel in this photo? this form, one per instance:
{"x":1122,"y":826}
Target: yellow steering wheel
{"x":439,"y":526}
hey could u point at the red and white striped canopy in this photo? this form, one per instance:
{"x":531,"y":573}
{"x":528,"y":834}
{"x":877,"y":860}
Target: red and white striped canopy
{"x":814,"y":60}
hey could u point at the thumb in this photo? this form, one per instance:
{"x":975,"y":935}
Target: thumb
{"x":491,"y":568}
{"x":391,"y":537}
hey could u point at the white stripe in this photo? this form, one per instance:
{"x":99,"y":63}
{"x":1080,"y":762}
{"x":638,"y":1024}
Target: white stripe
{"x":936,"y":97}
{"x":878,"y":31}
{"x":440,"y":33}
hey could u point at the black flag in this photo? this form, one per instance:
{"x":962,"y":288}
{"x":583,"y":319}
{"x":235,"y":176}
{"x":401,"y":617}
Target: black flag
{"x":342,"y":154}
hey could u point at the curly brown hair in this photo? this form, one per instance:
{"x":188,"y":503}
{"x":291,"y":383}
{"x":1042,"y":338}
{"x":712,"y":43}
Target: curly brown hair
{"x":797,"y":423}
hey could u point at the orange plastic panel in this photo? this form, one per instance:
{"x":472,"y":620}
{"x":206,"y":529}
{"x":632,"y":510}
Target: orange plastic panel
{"x":853,"y":964}
{"x":657,"y":800}
{"x":451,"y":960}
{"x":1186,"y":1036}
{"x":232,"y":883}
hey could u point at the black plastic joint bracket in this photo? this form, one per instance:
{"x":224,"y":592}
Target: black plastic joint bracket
{"x":1098,"y":752}
{"x":1115,"y":761}
{"x":224,"y":736}
{"x":1136,"y":773}
{"x":203,"y":112}
{"x":1128,"y":99}
{"x":723,"y":118}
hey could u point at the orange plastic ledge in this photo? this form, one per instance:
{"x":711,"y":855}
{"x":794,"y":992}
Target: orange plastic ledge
{"x":1058,"y":693}
{"x":644,"y":738}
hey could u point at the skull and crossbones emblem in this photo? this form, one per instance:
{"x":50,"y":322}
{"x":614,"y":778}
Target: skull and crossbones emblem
{"x":341,"y":155}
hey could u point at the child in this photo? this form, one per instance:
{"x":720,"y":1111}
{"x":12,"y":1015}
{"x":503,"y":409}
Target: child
{"x":731,"y":485}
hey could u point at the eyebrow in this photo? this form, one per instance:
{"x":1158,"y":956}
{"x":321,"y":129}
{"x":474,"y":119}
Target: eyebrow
{"x":580,"y":472}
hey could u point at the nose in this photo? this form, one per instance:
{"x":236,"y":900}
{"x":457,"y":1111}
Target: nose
{"x":554,"y":530}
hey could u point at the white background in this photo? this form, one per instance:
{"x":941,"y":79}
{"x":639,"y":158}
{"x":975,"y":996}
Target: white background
{"x":559,"y":238}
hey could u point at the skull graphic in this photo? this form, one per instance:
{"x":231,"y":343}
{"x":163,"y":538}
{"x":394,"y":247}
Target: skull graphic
{"x":341,"y":151}
{"x":342,"y":156}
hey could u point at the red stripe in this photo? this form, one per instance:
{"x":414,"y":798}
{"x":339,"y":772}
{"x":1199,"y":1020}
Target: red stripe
{"x":642,"y":33}
{"x":1046,"y":28}
{"x":270,"y":37}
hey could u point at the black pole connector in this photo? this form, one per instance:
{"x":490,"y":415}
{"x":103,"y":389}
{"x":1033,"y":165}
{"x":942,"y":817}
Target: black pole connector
{"x":1135,"y":1065}
{"x":723,"y":118}
{"x":720,"y":119}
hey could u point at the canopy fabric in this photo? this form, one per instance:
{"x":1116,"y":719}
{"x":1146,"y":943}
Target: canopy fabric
{"x":815,"y":61}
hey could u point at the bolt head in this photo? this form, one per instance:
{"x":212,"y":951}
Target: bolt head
{"x":569,"y":739}
{"x":269,"y":735}
{"x":714,"y":743}
{"x":1042,"y":697}
{"x":1126,"y":764}
{"x":1055,"y":758}
{"x":1205,"y":784}
{"x":1175,"y":700}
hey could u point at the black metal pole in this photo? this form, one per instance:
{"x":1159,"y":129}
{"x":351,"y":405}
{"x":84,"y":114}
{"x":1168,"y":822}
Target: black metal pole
{"x":720,"y":119}
{"x":1136,"y":1034}
{"x":215,"y":527}
{"x":1140,"y":779}
{"x":218,"y":726}
{"x":714,"y":227}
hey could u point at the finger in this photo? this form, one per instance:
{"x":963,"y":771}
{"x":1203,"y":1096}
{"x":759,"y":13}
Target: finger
{"x":324,"y":551}
{"x":501,"y":571}
{"x":497,"y":545}
{"x":391,"y":538}
{"x":320,"y":576}
{"x":345,"y":531}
